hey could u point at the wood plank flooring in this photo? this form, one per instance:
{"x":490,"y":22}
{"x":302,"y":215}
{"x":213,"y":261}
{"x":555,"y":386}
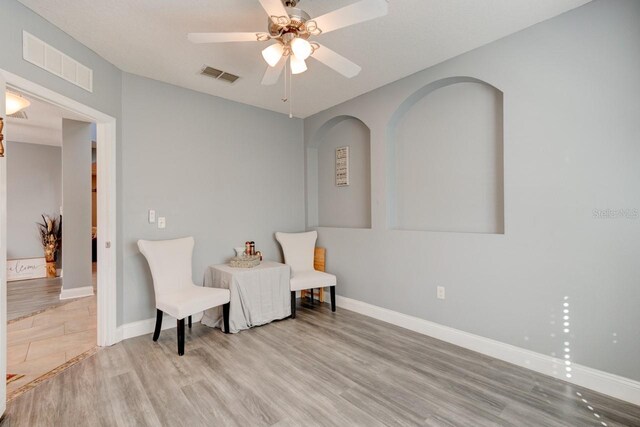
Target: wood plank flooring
{"x":320,"y":369}
{"x":26,"y":297}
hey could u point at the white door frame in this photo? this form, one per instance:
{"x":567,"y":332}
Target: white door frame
{"x":3,"y":262}
{"x":106,"y":177}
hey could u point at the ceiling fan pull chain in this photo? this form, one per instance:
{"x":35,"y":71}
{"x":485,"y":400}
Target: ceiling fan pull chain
{"x":290,"y":94}
{"x":285,"y":99}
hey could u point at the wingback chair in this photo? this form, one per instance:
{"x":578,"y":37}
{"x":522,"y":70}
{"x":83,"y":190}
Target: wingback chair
{"x":176,"y":294}
{"x":298,"y":251}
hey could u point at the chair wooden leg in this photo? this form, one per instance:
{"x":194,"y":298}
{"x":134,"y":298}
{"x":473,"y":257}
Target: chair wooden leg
{"x":189,"y":322}
{"x":225,"y":317}
{"x":332,"y":289}
{"x":293,"y":304}
{"x":156,"y":333}
{"x":180,"y":337}
{"x":311,"y":295}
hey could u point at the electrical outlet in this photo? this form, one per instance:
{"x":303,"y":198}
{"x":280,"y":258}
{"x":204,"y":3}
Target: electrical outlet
{"x":161,"y":222}
{"x":440,"y":292}
{"x":152,"y":216}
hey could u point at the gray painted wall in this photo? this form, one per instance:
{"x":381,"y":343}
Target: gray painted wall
{"x":76,"y":204}
{"x":447,"y":161}
{"x":571,"y":110}
{"x":571,"y":133}
{"x":348,"y":206}
{"x":220,"y":171}
{"x":107,"y":84}
{"x":34,"y":187}
{"x":15,"y":18}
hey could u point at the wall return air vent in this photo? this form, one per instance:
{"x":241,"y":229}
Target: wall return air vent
{"x":218,"y":74}
{"x":51,"y":59}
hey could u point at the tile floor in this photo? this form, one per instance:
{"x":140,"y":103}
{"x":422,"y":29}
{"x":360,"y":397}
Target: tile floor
{"x":38,"y":344}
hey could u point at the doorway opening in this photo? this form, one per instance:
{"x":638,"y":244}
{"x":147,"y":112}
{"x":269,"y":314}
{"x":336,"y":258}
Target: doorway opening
{"x":67,"y":296}
{"x":51,"y":250}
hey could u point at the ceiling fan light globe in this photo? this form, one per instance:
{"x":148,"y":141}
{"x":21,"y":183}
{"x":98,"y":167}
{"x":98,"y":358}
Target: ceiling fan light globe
{"x":15,"y":103}
{"x":301,"y":48}
{"x":272,"y":54}
{"x":297,"y":65}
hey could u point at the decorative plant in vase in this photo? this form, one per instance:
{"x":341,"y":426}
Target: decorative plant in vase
{"x":50,"y":236}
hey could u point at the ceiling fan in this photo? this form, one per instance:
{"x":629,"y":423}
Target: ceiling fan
{"x":291,"y":28}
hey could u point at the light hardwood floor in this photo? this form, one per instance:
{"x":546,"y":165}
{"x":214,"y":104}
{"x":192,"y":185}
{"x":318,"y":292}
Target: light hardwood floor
{"x":322,"y":368}
{"x":29,"y":296}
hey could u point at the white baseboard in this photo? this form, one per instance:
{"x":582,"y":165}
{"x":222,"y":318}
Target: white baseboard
{"x":603,"y":382}
{"x":118,"y":335}
{"x":147,"y":326}
{"x":85,"y":291}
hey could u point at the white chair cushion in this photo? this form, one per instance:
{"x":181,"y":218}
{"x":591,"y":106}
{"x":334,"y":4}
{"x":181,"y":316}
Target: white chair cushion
{"x":170,"y":262}
{"x":311,"y":279}
{"x":189,"y":300}
{"x":298,"y":249}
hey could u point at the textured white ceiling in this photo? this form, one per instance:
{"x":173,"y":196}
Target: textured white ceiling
{"x":148,"y":37}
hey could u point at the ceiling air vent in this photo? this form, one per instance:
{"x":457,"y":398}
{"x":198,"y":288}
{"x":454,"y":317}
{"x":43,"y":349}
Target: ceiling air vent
{"x":19,"y":115}
{"x":219,"y":74}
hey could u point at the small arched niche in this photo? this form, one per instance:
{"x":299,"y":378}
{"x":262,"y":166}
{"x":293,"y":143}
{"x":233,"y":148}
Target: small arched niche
{"x":332,"y":205}
{"x":445,"y":150}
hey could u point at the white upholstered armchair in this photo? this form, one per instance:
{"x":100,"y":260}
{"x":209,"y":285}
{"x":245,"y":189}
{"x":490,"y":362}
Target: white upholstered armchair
{"x":298,"y":251}
{"x":176,"y":294}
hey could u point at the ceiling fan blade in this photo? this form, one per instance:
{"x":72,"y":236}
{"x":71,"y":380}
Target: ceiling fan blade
{"x":222,"y":37}
{"x":337,"y":62}
{"x":364,"y":10}
{"x":275,"y":9}
{"x":272,"y":75}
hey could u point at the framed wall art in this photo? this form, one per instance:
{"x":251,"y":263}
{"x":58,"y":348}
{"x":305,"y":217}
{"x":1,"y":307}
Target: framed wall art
{"x":342,"y":166}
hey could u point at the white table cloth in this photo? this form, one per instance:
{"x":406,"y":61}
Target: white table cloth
{"x":259,"y":295}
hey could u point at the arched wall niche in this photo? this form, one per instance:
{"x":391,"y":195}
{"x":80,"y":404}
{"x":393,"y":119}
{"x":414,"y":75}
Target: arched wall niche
{"x":445,"y":159}
{"x":327,"y":204}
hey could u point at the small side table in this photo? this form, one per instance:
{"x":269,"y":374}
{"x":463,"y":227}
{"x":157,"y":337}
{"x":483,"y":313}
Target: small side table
{"x":259,"y":295}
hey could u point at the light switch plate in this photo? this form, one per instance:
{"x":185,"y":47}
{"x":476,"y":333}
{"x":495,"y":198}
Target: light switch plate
{"x":152,"y":216}
{"x":161,"y":222}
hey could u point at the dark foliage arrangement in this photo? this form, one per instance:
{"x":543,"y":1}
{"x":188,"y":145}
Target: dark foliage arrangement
{"x":50,"y":233}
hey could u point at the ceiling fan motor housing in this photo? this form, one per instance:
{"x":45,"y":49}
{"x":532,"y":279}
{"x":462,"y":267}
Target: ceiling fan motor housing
{"x":297,"y":19}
